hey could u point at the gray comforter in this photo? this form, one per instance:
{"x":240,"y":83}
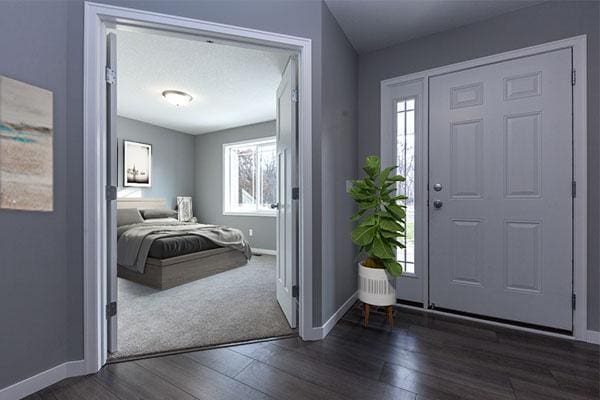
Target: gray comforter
{"x":134,"y":241}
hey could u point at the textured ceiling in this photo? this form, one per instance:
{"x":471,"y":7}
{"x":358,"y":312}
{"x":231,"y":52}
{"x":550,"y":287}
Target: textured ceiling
{"x":376,"y":24}
{"x":231,"y":86}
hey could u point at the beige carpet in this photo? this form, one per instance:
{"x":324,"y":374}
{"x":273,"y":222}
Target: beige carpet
{"x":233,"y":306}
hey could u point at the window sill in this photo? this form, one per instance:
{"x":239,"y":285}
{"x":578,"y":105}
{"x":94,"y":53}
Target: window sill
{"x":249,"y":214}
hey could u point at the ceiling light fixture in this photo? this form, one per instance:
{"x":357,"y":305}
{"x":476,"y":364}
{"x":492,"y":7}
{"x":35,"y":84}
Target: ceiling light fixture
{"x":177,"y":98}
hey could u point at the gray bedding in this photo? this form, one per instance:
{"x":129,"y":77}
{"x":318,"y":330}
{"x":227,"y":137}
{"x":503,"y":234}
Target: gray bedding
{"x":137,"y":242}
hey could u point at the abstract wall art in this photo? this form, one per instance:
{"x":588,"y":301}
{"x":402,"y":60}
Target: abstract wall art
{"x":26,"y":140}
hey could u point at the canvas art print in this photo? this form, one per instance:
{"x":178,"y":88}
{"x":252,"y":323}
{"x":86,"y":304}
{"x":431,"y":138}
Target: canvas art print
{"x":184,"y":208}
{"x":138,"y":164}
{"x":26,"y":135}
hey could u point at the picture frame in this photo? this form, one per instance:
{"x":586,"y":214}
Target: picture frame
{"x":137,"y":164}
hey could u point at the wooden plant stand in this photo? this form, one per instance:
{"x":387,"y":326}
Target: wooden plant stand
{"x":389,"y":315}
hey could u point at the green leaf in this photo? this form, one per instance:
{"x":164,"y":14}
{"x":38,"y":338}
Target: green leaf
{"x":399,"y":197}
{"x":390,"y":225}
{"x":396,"y":178}
{"x":372,"y":166}
{"x":397,"y":211}
{"x":371,"y":220}
{"x":385,"y":173}
{"x":364,"y":235}
{"x":381,"y":249}
{"x":393,"y":267}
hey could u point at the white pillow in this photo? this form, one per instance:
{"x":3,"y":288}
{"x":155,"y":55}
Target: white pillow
{"x":160,"y":220}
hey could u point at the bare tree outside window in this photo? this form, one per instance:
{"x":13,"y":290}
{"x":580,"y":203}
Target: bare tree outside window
{"x":250,"y":181}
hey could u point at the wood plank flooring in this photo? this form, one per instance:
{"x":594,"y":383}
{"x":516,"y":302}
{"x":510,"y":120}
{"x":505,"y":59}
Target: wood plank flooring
{"x":425,"y":357}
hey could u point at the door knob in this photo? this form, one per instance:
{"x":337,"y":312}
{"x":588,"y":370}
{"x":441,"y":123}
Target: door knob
{"x":275,"y":206}
{"x":437,"y":187}
{"x":438,"y":204}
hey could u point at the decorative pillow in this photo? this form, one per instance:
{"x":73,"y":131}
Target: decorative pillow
{"x":158,"y":213}
{"x":128,"y":216}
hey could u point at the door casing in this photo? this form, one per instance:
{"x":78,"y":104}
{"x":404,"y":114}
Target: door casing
{"x":97,"y":19}
{"x":578,"y":44}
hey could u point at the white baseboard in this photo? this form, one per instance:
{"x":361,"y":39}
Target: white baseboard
{"x":43,"y":380}
{"x":266,"y":252}
{"x":320,"y":332}
{"x":593,"y":337}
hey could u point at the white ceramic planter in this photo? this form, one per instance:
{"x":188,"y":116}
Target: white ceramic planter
{"x":376,"y":286}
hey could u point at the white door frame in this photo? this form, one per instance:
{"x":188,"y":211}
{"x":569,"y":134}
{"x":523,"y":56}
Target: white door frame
{"x":97,"y":18}
{"x":578,"y":44}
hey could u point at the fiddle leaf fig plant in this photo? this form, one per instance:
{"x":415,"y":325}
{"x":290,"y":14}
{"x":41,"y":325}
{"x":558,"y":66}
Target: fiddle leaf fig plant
{"x":380,"y":219}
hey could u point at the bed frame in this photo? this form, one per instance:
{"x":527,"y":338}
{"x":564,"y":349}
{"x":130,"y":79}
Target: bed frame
{"x":174,"y":271}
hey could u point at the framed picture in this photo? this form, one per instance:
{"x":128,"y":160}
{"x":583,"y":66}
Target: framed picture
{"x":137,"y":166}
{"x":184,"y":208}
{"x":26,"y":137}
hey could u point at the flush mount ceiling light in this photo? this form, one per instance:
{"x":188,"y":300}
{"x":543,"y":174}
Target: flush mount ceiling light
{"x":176,"y":97}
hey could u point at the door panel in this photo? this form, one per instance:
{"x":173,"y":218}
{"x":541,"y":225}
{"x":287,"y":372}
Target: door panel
{"x":111,"y":180}
{"x":287,"y":212}
{"x":501,"y":147}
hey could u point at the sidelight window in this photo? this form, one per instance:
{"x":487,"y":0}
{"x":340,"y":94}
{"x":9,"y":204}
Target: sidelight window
{"x":405,"y":159}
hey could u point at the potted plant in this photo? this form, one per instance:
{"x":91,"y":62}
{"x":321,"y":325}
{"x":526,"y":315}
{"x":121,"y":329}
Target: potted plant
{"x":378,"y":233}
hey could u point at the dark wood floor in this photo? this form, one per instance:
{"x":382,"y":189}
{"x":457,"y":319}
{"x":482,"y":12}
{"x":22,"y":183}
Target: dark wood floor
{"x":424,"y":357}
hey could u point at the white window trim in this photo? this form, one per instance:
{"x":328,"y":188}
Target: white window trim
{"x":227,"y":177}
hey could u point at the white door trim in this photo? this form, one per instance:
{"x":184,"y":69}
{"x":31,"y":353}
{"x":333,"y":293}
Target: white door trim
{"x":578,"y":44}
{"x":97,"y":18}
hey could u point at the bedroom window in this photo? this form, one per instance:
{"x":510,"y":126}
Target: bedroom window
{"x":250,"y":177}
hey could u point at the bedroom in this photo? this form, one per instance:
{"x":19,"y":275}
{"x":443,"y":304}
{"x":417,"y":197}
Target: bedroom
{"x":195,"y":236}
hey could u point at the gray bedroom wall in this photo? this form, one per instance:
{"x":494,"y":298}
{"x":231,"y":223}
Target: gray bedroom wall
{"x":526,"y":27}
{"x":339,"y":150}
{"x":172,"y":159}
{"x":34,"y":246}
{"x":208,"y":196}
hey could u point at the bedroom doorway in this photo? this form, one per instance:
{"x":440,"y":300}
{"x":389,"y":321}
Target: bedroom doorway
{"x":180,"y":277}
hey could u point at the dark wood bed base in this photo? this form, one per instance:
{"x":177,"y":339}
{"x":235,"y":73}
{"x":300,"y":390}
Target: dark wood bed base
{"x":174,"y":271}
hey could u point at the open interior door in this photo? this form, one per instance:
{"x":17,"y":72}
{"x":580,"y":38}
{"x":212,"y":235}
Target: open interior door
{"x":287,"y":203}
{"x":111,"y":189}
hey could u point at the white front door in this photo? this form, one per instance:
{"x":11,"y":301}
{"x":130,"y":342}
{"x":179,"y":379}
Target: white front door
{"x":500,"y":190}
{"x":111,"y":185}
{"x":287,"y":206}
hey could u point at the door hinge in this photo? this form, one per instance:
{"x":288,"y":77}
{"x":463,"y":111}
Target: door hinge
{"x":574,"y":188}
{"x":574,"y":301}
{"x":295,"y":193}
{"x":111,"y":192}
{"x":111,"y":76}
{"x":295,"y":291}
{"x":111,"y":309}
{"x":573,"y":77}
{"x":295,"y":95}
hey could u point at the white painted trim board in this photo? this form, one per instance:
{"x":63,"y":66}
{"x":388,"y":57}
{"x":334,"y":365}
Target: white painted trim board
{"x":42,"y":380}
{"x":97,"y":18}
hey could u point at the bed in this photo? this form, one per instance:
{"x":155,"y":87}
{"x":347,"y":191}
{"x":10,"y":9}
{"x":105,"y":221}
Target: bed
{"x":169,"y":253}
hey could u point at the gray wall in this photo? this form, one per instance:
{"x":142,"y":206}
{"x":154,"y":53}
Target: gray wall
{"x":34,"y":246}
{"x":526,"y":27}
{"x":208,"y":196}
{"x":43,"y":323}
{"x":172,"y":159}
{"x":339,"y":149}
